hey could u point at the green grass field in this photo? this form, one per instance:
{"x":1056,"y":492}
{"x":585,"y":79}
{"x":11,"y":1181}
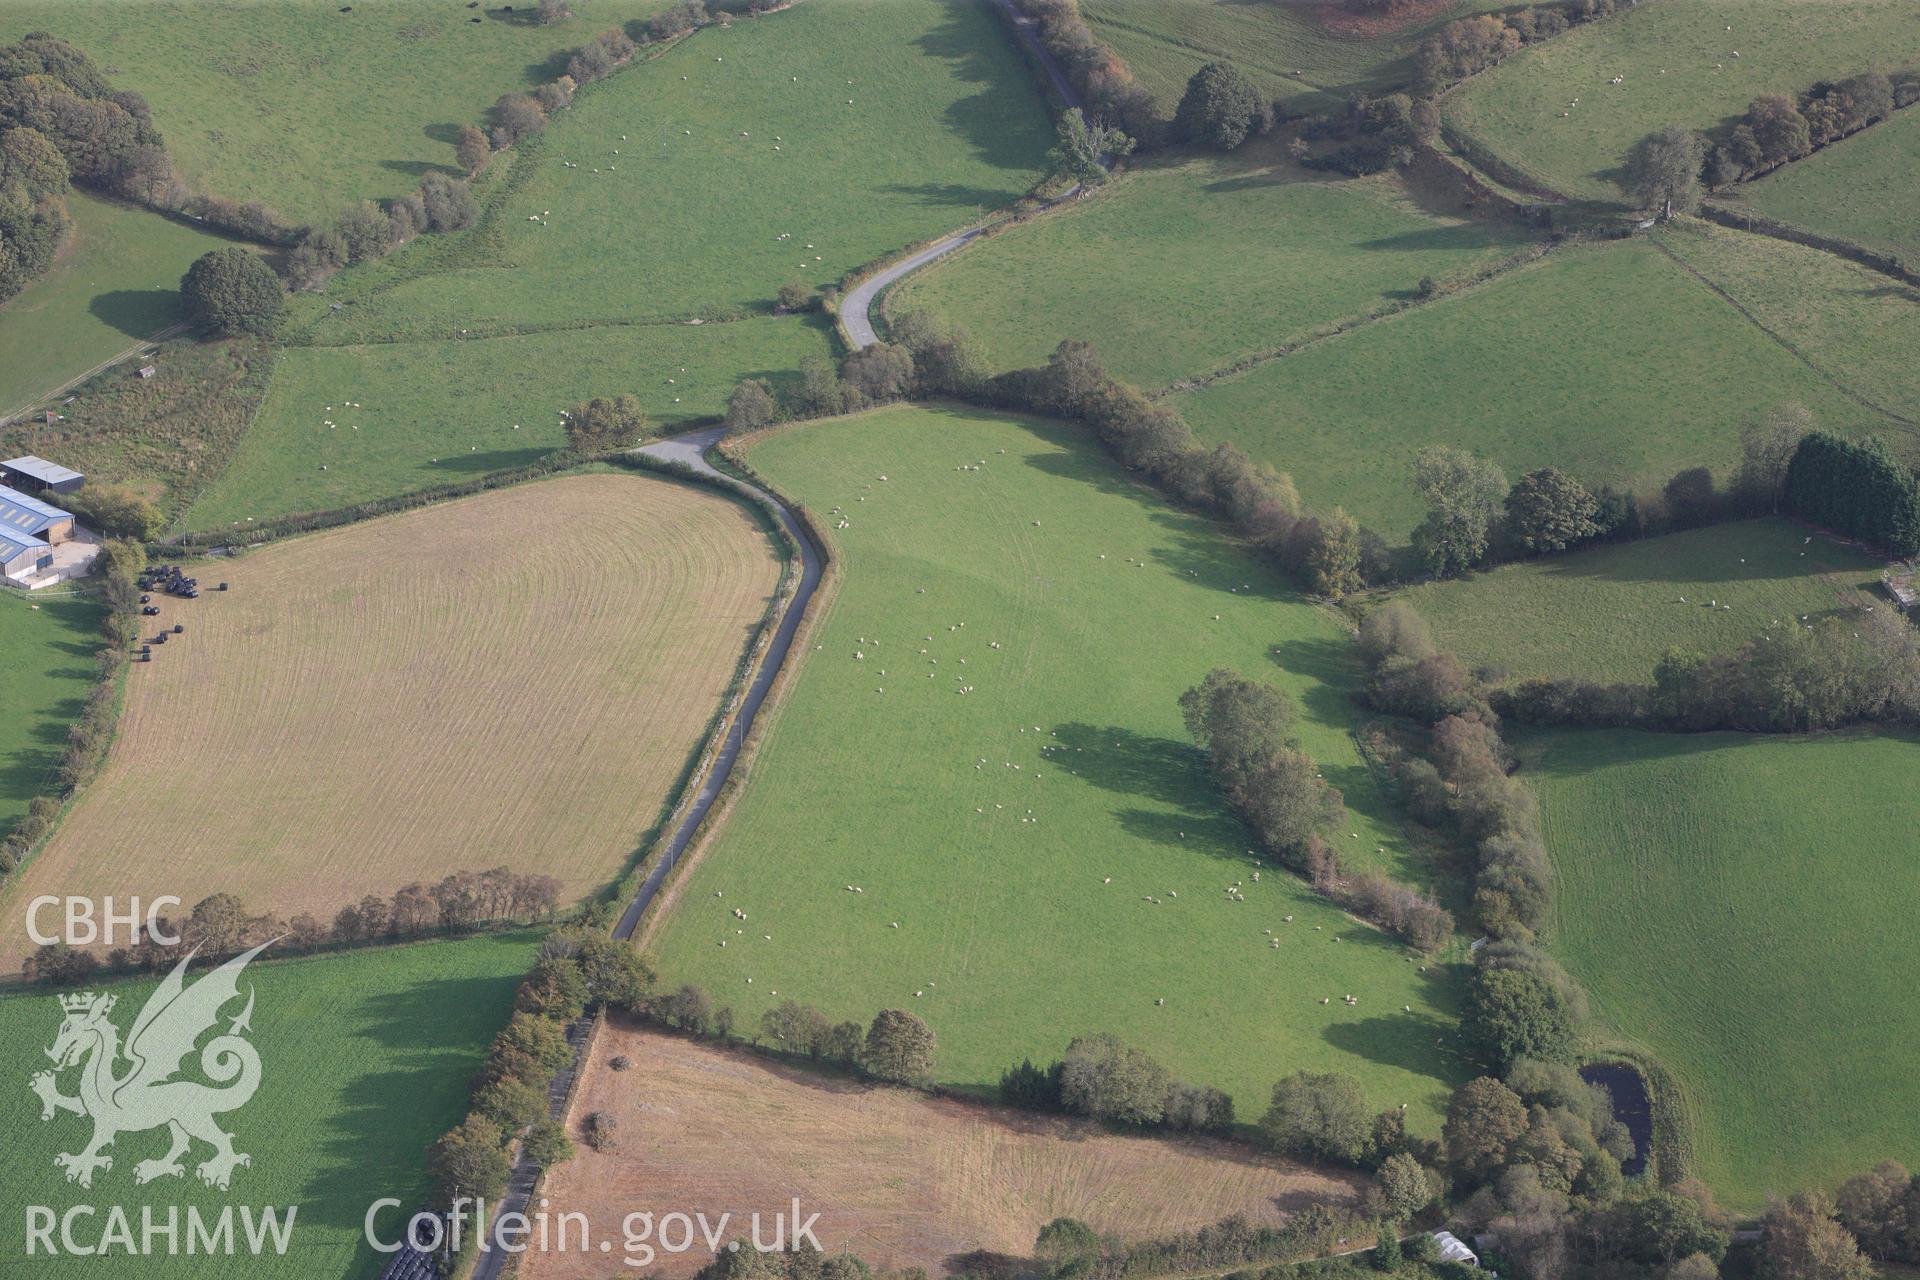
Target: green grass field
{"x":116,"y":283}
{"x":1609,"y":362}
{"x":1188,"y":266}
{"x":1609,"y":612}
{"x":1678,"y":60}
{"x":432,"y":413}
{"x":1860,"y":189}
{"x":792,"y":147}
{"x":1075,"y":662}
{"x":44,"y":682}
{"x":1740,"y":906}
{"x":1855,"y":325}
{"x":303,"y":107}
{"x":1166,"y":41}
{"x":366,"y":1058}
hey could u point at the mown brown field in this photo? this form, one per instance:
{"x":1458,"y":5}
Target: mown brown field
{"x":516,"y":678}
{"x":899,"y":1178}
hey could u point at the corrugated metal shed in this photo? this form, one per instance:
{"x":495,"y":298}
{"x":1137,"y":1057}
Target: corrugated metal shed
{"x":40,"y":472}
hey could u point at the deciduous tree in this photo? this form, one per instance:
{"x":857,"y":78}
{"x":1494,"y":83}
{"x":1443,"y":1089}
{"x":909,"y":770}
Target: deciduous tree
{"x":900,"y":1047}
{"x":1321,"y":1115}
{"x":1663,"y":170}
{"x":232,"y":291}
{"x":1463,"y":496}
{"x":1221,"y":108}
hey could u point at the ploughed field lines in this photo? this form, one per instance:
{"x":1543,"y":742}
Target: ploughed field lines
{"x":515,"y":679}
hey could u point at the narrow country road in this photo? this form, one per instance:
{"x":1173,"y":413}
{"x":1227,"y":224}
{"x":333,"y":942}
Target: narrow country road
{"x":691,"y":450}
{"x":856,"y":308}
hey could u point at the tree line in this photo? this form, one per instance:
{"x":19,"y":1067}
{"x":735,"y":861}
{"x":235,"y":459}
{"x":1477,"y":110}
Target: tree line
{"x":1859,"y":667}
{"x":1098,"y":74}
{"x":221,"y":925}
{"x":1670,"y":169}
{"x":1244,"y":728}
{"x":1221,"y":108}
{"x":579,"y":970}
{"x":61,"y":122}
{"x":1453,"y":772}
{"x":1104,"y":1078}
{"x":109,"y":143}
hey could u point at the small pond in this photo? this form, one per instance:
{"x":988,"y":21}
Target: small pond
{"x":1631,"y":1107}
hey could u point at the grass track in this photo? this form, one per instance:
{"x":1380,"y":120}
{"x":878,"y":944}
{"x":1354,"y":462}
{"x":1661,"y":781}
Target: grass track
{"x":44,"y":681}
{"x":436,"y":413}
{"x":1185,"y":267}
{"x":1609,"y":362}
{"x":1609,"y":612}
{"x":116,"y":283}
{"x":305,"y":108}
{"x":1166,"y":41}
{"x":1004,"y":924}
{"x":365,"y":1058}
{"x":1741,"y":907}
{"x":1859,"y":189}
{"x":316,"y":735}
{"x":1855,"y":325}
{"x":1520,"y":110}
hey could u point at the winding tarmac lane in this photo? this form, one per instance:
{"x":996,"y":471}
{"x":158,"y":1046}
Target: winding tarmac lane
{"x":857,"y":306}
{"x":690,"y":450}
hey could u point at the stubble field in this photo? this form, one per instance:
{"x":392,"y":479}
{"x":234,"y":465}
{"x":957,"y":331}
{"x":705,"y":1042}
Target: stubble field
{"x":317,"y":735}
{"x":928,"y":1178}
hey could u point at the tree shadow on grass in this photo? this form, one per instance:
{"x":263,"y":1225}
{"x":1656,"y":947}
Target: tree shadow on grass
{"x":1331,"y":664}
{"x":1212,"y":833}
{"x":1457,"y":237}
{"x":1541,"y":757}
{"x":431,"y":1037}
{"x":1134,"y":764}
{"x":420,"y":168}
{"x":487,"y":462}
{"x":981,"y":118}
{"x":951,"y":194}
{"x":1415,"y":1042}
{"x":1081,"y":464}
{"x":1198,"y":551}
{"x":138,"y":313}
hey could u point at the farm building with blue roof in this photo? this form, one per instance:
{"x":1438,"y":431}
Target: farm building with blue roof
{"x":29,"y":530}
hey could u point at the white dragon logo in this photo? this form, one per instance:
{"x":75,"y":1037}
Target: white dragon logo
{"x":146,"y":1096}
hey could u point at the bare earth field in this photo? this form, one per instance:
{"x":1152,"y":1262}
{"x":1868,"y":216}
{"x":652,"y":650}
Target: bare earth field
{"x":902,"y":1179}
{"x":312,"y":737}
